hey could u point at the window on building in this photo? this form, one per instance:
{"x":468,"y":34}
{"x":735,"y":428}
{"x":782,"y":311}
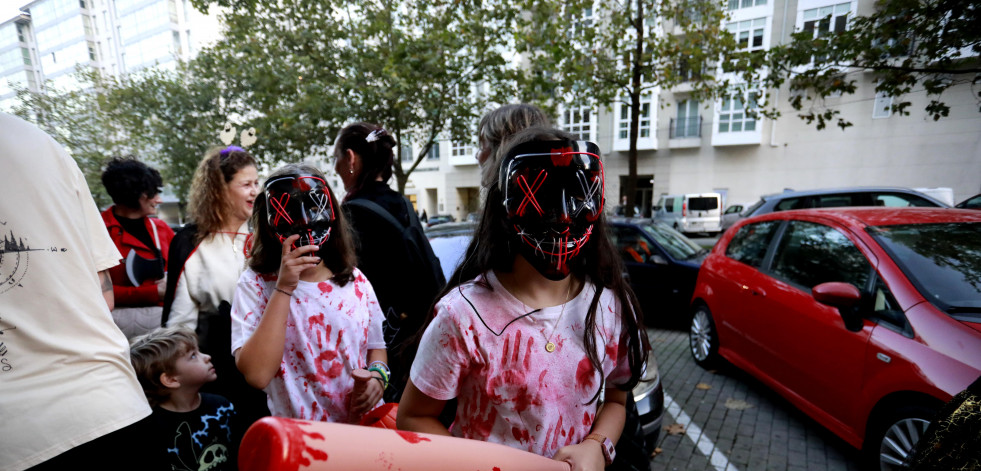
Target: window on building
{"x":686,"y":70}
{"x":26,"y":54}
{"x":644,"y":125}
{"x":21,"y":33}
{"x":883,"y":106}
{"x":748,"y":33}
{"x":578,"y":120}
{"x":433,"y":153}
{"x":93,"y":53}
{"x":824,"y":21}
{"x":406,"y":150}
{"x":733,"y":116}
{"x":460,"y":149}
{"x":688,"y":122}
{"x":737,"y":4}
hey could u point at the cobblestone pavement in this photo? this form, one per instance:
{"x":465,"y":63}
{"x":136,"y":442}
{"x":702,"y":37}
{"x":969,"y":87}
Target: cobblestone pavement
{"x":736,"y":422}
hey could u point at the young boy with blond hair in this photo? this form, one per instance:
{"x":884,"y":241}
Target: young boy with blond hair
{"x":187,"y":429}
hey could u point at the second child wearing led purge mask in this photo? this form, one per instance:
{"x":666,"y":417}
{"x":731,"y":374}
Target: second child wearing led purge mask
{"x":526,"y":346}
{"x":304,"y":318}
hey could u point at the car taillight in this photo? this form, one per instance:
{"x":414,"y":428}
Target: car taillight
{"x":684,"y":209}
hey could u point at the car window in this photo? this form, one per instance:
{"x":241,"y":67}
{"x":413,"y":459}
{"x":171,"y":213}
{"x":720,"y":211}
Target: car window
{"x":836,"y":201}
{"x":943,"y":260}
{"x":900,"y":200}
{"x":734,"y":209}
{"x":789,"y":203}
{"x":631,"y":245}
{"x":750,"y":243}
{"x":810,"y":254}
{"x":673,"y":242}
{"x":754,"y":207}
{"x":669,"y":205}
{"x":886,"y":308}
{"x":703,"y":203}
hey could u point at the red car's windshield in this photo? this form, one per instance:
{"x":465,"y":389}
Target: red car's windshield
{"x":943,"y":260}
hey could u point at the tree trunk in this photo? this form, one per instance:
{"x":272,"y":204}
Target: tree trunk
{"x":635,"y":91}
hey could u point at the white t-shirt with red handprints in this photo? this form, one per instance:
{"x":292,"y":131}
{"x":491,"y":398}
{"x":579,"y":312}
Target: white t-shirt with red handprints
{"x":510,"y":390}
{"x":328,"y":335}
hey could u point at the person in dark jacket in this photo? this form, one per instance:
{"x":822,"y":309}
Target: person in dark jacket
{"x":393,"y":252}
{"x":139,"y":282}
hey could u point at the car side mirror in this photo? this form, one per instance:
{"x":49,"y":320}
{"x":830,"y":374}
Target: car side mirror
{"x":657,"y":260}
{"x":843,"y":296}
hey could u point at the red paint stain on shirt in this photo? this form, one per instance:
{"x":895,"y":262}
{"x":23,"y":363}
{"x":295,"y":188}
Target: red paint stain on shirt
{"x":521,"y":435}
{"x":325,"y":287}
{"x":584,"y":374}
{"x":412,"y":437}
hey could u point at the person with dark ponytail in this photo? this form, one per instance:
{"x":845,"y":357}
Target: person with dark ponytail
{"x":393,"y":251}
{"x":547,"y":328}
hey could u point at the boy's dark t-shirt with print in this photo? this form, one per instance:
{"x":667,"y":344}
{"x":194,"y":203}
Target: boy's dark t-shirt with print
{"x":206,"y":438}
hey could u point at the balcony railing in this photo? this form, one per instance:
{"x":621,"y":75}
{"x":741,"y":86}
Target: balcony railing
{"x":686,"y":127}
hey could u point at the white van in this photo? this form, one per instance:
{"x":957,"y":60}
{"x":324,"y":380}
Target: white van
{"x":691,"y":212}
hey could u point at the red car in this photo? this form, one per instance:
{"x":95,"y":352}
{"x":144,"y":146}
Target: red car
{"x":867,"y":319}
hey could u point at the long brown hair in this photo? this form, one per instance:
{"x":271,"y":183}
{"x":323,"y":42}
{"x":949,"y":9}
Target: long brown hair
{"x":337,"y":253}
{"x":207,"y":203}
{"x":599,"y":263}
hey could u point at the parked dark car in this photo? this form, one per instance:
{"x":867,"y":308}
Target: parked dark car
{"x":867,"y":319}
{"x":439,"y":219}
{"x":894,"y":197}
{"x":973,"y":202}
{"x":662,"y":265}
{"x":643,"y":425}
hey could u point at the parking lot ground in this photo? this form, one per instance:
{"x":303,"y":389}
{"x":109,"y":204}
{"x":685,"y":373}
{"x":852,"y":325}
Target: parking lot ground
{"x":734,"y":422}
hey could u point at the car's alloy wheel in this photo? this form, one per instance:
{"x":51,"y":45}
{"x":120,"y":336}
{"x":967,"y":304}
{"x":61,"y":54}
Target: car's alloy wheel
{"x":898,"y":442}
{"x":702,"y":337}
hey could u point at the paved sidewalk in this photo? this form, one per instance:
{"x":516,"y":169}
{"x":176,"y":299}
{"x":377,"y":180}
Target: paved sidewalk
{"x":736,"y":423}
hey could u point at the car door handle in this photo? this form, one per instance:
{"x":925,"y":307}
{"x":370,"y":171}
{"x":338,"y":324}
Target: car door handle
{"x":753,"y":291}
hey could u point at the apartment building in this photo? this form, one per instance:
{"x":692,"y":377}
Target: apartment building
{"x":43,"y":44}
{"x":687,"y":147}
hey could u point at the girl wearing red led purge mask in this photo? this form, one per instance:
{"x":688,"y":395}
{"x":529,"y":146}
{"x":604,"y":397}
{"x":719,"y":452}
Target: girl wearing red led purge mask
{"x":527,"y":346}
{"x":304,"y":318}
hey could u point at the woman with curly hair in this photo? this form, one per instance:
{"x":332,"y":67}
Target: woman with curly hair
{"x":207,"y":257}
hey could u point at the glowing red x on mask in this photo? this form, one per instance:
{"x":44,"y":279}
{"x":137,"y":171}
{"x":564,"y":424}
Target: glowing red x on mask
{"x":299,"y":204}
{"x":553,"y":194}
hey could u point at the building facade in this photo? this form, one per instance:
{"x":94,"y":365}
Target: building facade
{"x":42,"y":46}
{"x":691,"y":147}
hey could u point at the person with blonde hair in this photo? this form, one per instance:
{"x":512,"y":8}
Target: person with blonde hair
{"x":206,"y":258}
{"x":496,"y":127}
{"x":188,"y":429}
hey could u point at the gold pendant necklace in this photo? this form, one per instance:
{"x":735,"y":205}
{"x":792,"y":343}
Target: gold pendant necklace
{"x":549,"y":346}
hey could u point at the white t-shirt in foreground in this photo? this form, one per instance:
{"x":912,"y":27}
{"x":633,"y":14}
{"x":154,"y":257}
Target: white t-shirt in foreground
{"x":510,"y":390}
{"x":65,"y":375}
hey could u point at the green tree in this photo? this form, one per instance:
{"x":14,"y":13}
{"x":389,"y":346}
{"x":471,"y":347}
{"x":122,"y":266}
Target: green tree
{"x":80,"y":119}
{"x":608,"y":51}
{"x":178,"y":114}
{"x":905,"y":44}
{"x":300,"y":70}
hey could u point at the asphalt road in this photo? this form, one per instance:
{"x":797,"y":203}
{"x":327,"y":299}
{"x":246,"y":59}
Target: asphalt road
{"x":727,"y":420}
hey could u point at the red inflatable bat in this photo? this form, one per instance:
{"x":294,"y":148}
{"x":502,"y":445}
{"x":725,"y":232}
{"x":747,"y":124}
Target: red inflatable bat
{"x":279,"y":444}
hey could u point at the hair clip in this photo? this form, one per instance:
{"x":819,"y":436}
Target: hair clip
{"x":224,"y":153}
{"x":375,"y":135}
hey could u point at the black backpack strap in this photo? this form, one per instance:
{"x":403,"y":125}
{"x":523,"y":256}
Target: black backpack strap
{"x":377,"y":209}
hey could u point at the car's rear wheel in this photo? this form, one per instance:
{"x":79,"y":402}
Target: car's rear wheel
{"x":892,"y":439}
{"x":703,"y":338}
